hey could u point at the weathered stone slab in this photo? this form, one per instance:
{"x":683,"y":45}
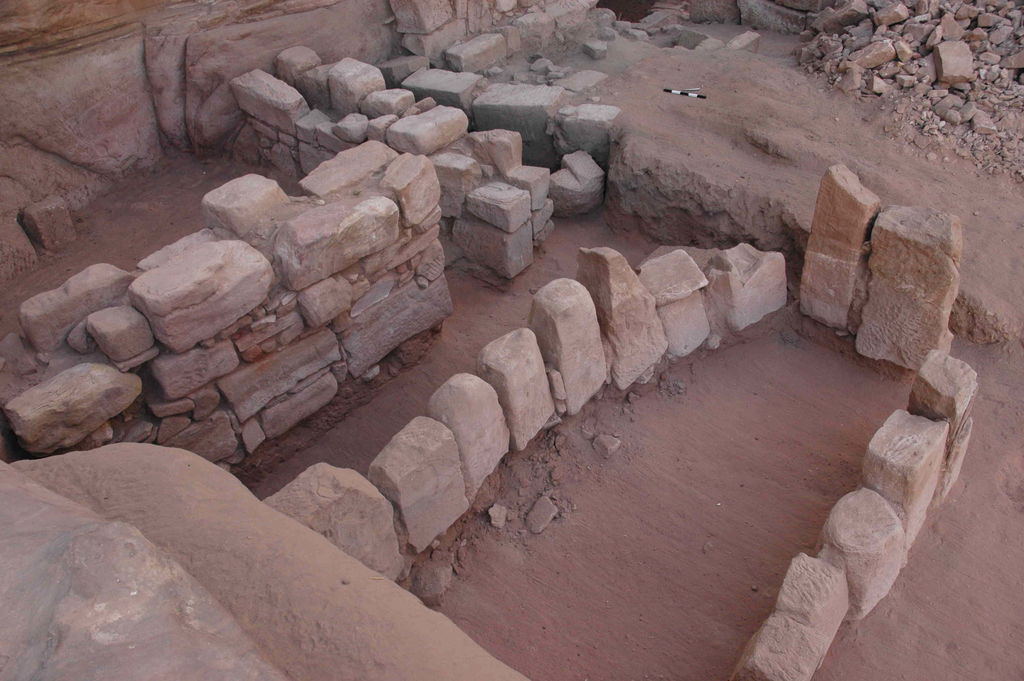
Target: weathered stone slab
{"x":350,"y":81}
{"x":864,"y":536}
{"x":400,"y":68}
{"x":781,"y":650}
{"x":173,"y":250}
{"x":181,"y":375}
{"x":48,"y":223}
{"x":954,"y":62}
{"x":903,"y":464}
{"x":244,"y":206}
{"x":327,"y":239}
{"x":393,"y":102}
{"x":420,"y":472}
{"x":428,"y":132}
{"x":281,"y":417}
{"x":469,"y":406}
{"x":507,"y":253}
{"x":626,"y":312}
{"x":120,"y":332}
{"x":746,"y":285}
{"x":421,"y":16}
{"x":944,"y":389}
{"x":564,"y":319}
{"x":458,"y":175}
{"x":348,"y":168}
{"x":500,"y":205}
{"x":686,"y":324}
{"x":46,"y":318}
{"x":270,"y":100}
{"x":447,"y":88}
{"x":525,"y":109}
{"x":409,"y":310}
{"x":252,"y":386}
{"x":578,"y":187}
{"x":502,"y":149}
{"x":915,"y":276}
{"x":535,"y":180}
{"x":213,"y":438}
{"x":201,"y":292}
{"x":672,"y":276}
{"x":412,"y":182}
{"x":324,"y":300}
{"x":513,"y":365}
{"x":814,"y":593}
{"x":536,"y":30}
{"x":478,"y":53}
{"x":62,"y":411}
{"x":345,"y":507}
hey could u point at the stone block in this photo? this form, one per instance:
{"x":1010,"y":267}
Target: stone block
{"x":458,"y":175}
{"x":469,"y":407}
{"x":409,"y":310}
{"x":314,"y":88}
{"x":350,"y":81}
{"x":432,"y":45}
{"x":587,"y":127}
{"x":715,"y":12}
{"x":398,"y":69}
{"x":269,"y":100}
{"x":954,"y":62}
{"x":915,"y":276}
{"x":244,"y":206}
{"x":904,"y":463}
{"x":421,"y":16}
{"x":305,"y":127}
{"x":954,"y":459}
{"x":543,"y":225}
{"x":348,"y":169}
{"x":63,"y":410}
{"x":944,"y":389}
{"x":447,"y":88}
{"x":564,"y":320}
{"x":251,"y":387}
{"x":120,"y":332}
{"x":625,"y":311}
{"x":181,"y":375}
{"x":201,"y":292}
{"x":843,"y":215}
{"x":478,"y":53}
{"x":502,"y":149}
{"x":578,"y":187}
{"x":252,"y":435}
{"x":745,"y":285}
{"x":324,"y":301}
{"x":420,"y":472}
{"x":781,"y":650}
{"x":412,"y":182}
{"x":864,"y":536}
{"x":47,"y":317}
{"x":525,"y":109}
{"x":507,"y":253}
{"x":48,"y":223}
{"x":536,"y":30}
{"x":500,"y":205}
{"x":533,"y":179}
{"x":514,"y":367}
{"x":428,"y":132}
{"x":595,"y":49}
{"x":672,"y":276}
{"x":377,"y":128}
{"x":686,"y":324}
{"x":328,"y":239}
{"x":213,"y":439}
{"x":815,"y":594}
{"x":282,"y":416}
{"x":173,"y":250}
{"x":392,"y":102}
{"x":352,"y":128}
{"x":874,"y":54}
{"x":293,"y":62}
{"x":348,"y":510}
{"x":765,"y":14}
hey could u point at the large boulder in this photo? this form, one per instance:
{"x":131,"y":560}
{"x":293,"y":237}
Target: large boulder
{"x":62,"y":411}
{"x":280,"y":580}
{"x":351,"y":513}
{"x":201,"y":292}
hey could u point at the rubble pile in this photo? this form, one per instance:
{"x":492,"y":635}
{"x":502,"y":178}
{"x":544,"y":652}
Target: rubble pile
{"x":950,"y":70}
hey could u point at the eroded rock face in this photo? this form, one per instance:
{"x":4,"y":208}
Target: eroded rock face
{"x":115,"y":598}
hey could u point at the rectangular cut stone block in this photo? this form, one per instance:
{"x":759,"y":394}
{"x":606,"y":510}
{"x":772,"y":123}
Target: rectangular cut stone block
{"x":842,"y":221}
{"x":48,"y":223}
{"x":915,"y":276}
{"x":577,"y":188}
{"x":507,"y":253}
{"x":174,"y":249}
{"x":348,"y":168}
{"x":502,"y":149}
{"x":398,"y":69}
{"x":120,"y":332}
{"x":252,"y":386}
{"x":903,"y":464}
{"x":407,"y":311}
{"x":589,"y":128}
{"x":289,"y":64}
{"x":421,"y":16}
{"x":47,"y":317}
{"x":270,"y":100}
{"x":954,"y":62}
{"x":428,"y":132}
{"x":392,"y":102}
{"x":348,"y":510}
{"x":63,"y":410}
{"x":672,"y":276}
{"x":783,"y":649}
{"x":458,"y":175}
{"x":283,"y":416}
{"x":469,"y":407}
{"x":476,"y":54}
{"x":328,"y":239}
{"x":324,"y":301}
{"x":626,"y":312}
{"x":814,"y":593}
{"x":420,"y":472}
{"x":536,"y":29}
{"x":954,"y":459}
{"x":213,"y":438}
{"x":181,"y":375}
{"x":533,"y":179}
{"x":525,"y":109}
{"x":447,"y":88}
{"x":514,"y":367}
{"x":864,"y":536}
{"x":564,"y":319}
{"x":746,"y":285}
{"x":500,"y":205}
{"x":243,"y":205}
{"x":350,"y":81}
{"x":944,"y":389}
{"x":686,"y":324}
{"x":201,"y":292}
{"x":432,"y":45}
{"x":413,"y":184}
